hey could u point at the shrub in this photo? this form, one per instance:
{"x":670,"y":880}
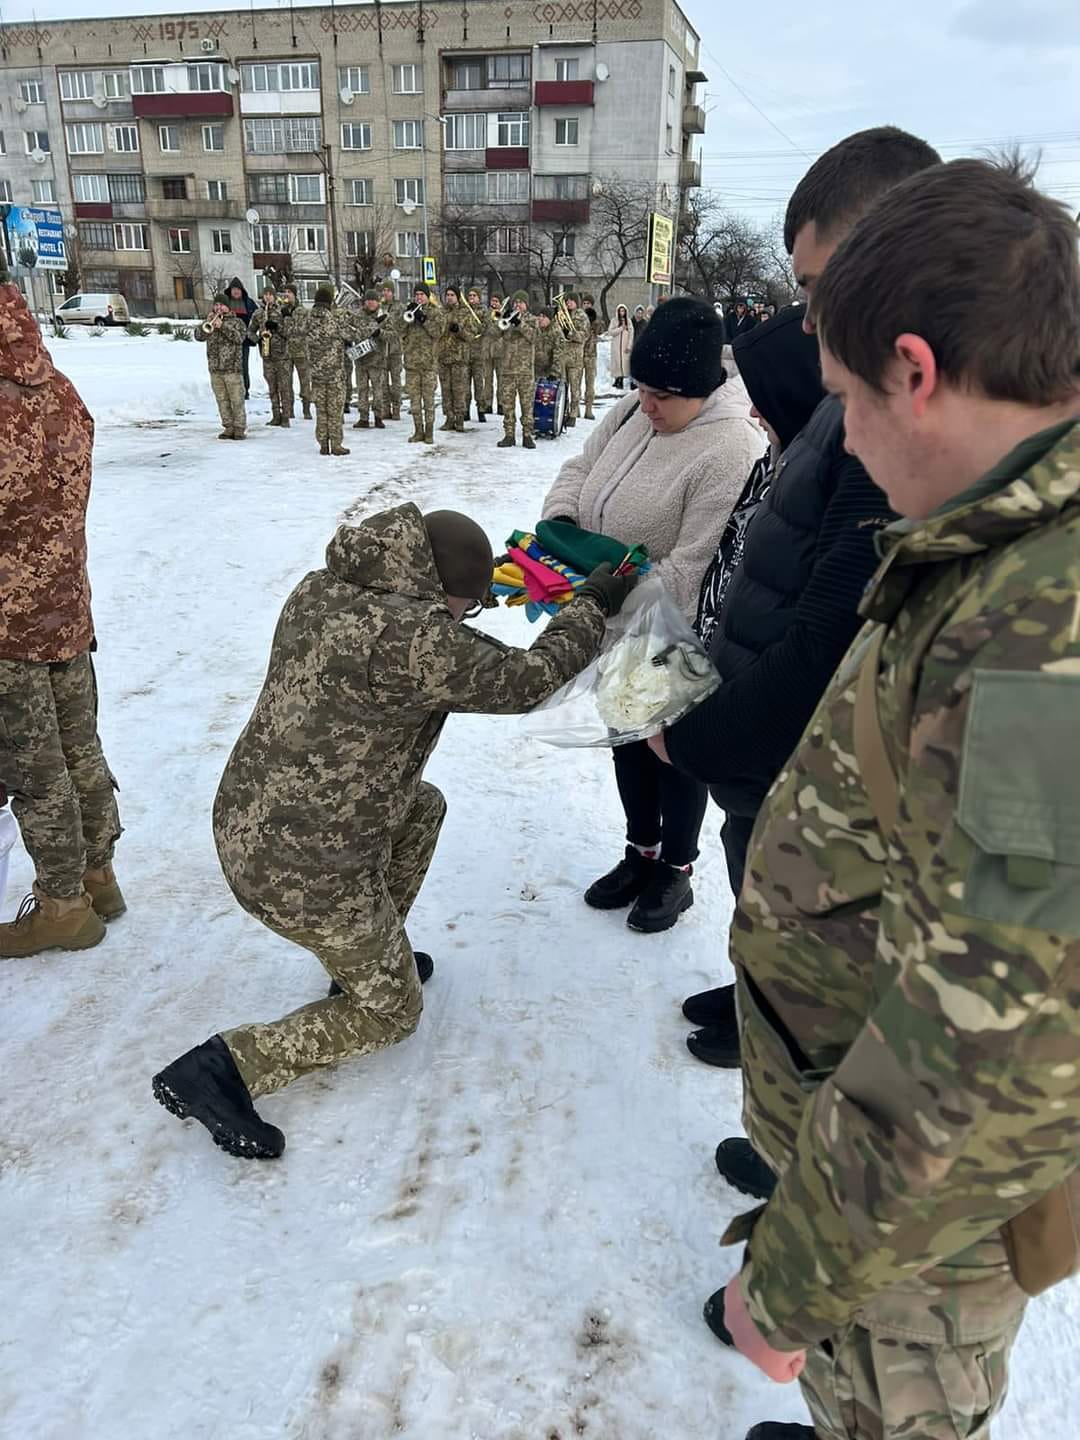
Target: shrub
{"x":182,"y":332}
{"x":96,"y":332}
{"x":136,"y":327}
{"x":164,"y":328}
{"x":59,"y":329}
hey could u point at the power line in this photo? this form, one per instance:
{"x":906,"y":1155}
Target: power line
{"x":753,"y":104}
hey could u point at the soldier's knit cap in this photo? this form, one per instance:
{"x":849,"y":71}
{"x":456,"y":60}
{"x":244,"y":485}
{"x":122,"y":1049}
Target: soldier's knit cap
{"x":463,"y":554}
{"x":324,"y":295}
{"x":422,"y":290}
{"x":371,"y":295}
{"x":571,"y":295}
{"x":588,"y":300}
{"x":681,"y":350}
{"x":453,"y":290}
{"x":521,"y":295}
{"x":221,"y":298}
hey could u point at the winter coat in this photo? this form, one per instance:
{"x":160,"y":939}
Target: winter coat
{"x":638,"y":322}
{"x":245,"y":307}
{"x":549,"y":353}
{"x":456,"y":342}
{"x":622,"y":337}
{"x":392,"y":327}
{"x":420,"y":340}
{"x":672,"y":493}
{"x":46,"y":445}
{"x":327,"y":331}
{"x":295,"y":319}
{"x":515,"y":350}
{"x":907,"y":999}
{"x":365,"y":664}
{"x":224,"y":346}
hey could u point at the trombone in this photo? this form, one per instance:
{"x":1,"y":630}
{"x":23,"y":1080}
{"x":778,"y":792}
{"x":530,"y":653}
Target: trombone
{"x":473,"y":316}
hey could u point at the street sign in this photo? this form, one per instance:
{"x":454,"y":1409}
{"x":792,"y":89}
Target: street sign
{"x":430,"y":277}
{"x":35,"y":236}
{"x":661,"y":235}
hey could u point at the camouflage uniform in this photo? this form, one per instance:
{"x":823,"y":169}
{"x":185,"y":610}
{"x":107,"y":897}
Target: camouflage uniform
{"x":575,"y":364}
{"x":323,"y":823}
{"x":596,"y":330}
{"x":490,"y":357}
{"x":327,"y":331}
{"x":478,"y":389}
{"x":517,"y":382}
{"x":225,"y":361}
{"x":549,"y":353}
{"x":907,"y":1001}
{"x":296,"y":346}
{"x":419,"y":341}
{"x":371,"y":373}
{"x":392,"y":328}
{"x":454,"y":353}
{"x":277,"y":368}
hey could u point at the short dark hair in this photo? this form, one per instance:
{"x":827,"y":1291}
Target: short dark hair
{"x":842,"y":184}
{"x":942,"y":256}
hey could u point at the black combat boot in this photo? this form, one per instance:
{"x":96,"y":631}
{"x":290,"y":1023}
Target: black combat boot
{"x":205,"y":1085}
{"x":307,"y":409}
{"x":425,"y":968}
{"x":711,"y":1007}
{"x":481,"y":415}
{"x":714,"y":1318}
{"x":622,"y":886}
{"x":506,"y":443}
{"x":664,"y":899}
{"x":744,"y":1169}
{"x":379,"y":425}
{"x":717,"y":1045}
{"x":776,"y":1430}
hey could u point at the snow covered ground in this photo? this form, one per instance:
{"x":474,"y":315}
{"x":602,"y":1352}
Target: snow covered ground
{"x":505,"y":1228}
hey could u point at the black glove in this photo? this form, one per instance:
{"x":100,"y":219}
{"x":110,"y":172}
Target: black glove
{"x":271,"y":325}
{"x":565,"y":520}
{"x":419,"y":317}
{"x":379,"y":319}
{"x":454,"y":327}
{"x":608,"y":589}
{"x":591,"y":313}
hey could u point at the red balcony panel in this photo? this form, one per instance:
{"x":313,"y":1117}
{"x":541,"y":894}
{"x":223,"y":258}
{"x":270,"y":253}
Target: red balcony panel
{"x":93,"y":210}
{"x":571,"y":212}
{"x":505,"y":157}
{"x":270,"y":260}
{"x":564,"y":92}
{"x":188,"y":104}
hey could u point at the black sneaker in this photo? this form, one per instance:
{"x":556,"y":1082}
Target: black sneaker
{"x":774,"y":1430}
{"x":425,"y":968}
{"x":664,"y":899}
{"x":711,"y":1007}
{"x":205,"y":1085}
{"x":716,"y":1045}
{"x":714,"y":1318}
{"x":744,"y":1169}
{"x":622,"y":886}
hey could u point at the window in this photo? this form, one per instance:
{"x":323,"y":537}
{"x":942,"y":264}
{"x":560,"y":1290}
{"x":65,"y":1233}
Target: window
{"x":671,"y":81}
{"x":561,"y":187}
{"x":358,"y":192}
{"x":285,"y":136}
{"x":513,"y":129}
{"x":566,"y":246}
{"x":407,"y":79}
{"x":359,"y":244}
{"x":5,"y":191}
{"x":506,"y":240}
{"x":356,"y":135}
{"x":107,"y":280}
{"x":180,"y":242}
{"x":147,"y":80}
{"x":173,"y":187}
{"x":96,"y":236}
{"x":286,"y":76}
{"x":306,"y":290}
{"x":311,"y":239}
{"x":36,"y":140}
{"x":355,"y":78}
{"x":90,"y":189}
{"x":256,"y":78}
{"x":566,"y":132}
{"x":408,"y":192}
{"x":117,"y":84}
{"x":32,"y":92}
{"x":306,"y":189}
{"x":300,"y":77}
{"x":466,"y":75}
{"x":410,"y":243}
{"x":204,"y":77}
{"x":168,"y":138}
{"x":130,"y":237}
{"x":465,"y":240}
{"x":566,"y":69}
{"x":183,"y":287}
{"x":466,"y":132}
{"x":129,"y":189}
{"x":270,"y":239}
{"x":217,"y":190}
{"x":76,"y":85}
{"x":466,"y":188}
{"x":669,"y":138}
{"x":124,"y":138}
{"x":504,"y":71}
{"x":85,"y":139}
{"x":508,"y":187}
{"x":269,"y":189}
{"x":221,"y":242}
{"x":213,"y":137}
{"x":408,"y":134}
{"x":44,"y":192}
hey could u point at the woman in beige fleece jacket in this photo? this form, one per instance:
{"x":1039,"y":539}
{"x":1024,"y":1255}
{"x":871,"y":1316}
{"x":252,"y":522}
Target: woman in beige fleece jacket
{"x":664,"y":469}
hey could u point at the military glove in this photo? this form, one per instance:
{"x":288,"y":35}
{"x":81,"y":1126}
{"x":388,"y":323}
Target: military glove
{"x":608,"y":589}
{"x":271,"y":324}
{"x":591,"y":313}
{"x":419,"y":317}
{"x":454,"y":327}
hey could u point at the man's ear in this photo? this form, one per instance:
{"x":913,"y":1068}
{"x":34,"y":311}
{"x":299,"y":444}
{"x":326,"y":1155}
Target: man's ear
{"x":916,"y":370}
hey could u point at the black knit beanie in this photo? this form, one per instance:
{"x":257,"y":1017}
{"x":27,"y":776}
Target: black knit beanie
{"x":681,"y":349}
{"x":463,"y":555}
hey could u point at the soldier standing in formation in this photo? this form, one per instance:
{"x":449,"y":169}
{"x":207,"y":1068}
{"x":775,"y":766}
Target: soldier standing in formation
{"x":392,"y":346}
{"x":267,"y":329}
{"x":223,"y":335}
{"x":549,"y":350}
{"x":491,"y":370}
{"x":327,"y":330}
{"x":576,"y":334}
{"x":420,"y":338}
{"x":371,"y":370}
{"x":296,"y":349}
{"x":455,"y":353}
{"x":596,"y":329}
{"x":479,"y":358}
{"x":517,"y":383}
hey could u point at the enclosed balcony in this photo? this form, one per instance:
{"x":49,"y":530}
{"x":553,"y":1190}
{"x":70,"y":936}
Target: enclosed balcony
{"x":693,"y":120}
{"x":568,"y":212}
{"x":506,"y":157}
{"x":690,"y":174}
{"x":564,"y":92}
{"x":184,"y":105}
{"x":159,"y":209}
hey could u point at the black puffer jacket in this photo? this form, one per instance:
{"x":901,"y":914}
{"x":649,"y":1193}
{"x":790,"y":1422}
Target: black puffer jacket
{"x":790,"y":610}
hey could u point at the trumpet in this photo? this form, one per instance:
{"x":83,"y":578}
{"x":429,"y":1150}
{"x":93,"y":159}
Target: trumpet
{"x":504,"y":322}
{"x":409,"y":315}
{"x":213,"y":320}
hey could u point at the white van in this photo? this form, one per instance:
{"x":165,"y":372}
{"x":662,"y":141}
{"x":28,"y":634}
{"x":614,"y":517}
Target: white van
{"x":94,"y":308}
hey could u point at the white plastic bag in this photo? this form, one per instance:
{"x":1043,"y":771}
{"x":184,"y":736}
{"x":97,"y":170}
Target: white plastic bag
{"x":9,"y":833}
{"x":651,"y":672}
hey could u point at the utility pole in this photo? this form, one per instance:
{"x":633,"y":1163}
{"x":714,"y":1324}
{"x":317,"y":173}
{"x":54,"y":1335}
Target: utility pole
{"x":331,"y":201}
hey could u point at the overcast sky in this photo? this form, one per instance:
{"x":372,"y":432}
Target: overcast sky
{"x":967,"y":75}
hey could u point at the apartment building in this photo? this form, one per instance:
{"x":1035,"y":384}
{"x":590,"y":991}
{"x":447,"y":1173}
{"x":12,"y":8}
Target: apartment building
{"x":346,"y":140}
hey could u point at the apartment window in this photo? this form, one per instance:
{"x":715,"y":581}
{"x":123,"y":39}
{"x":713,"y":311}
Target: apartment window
{"x":465,"y":132}
{"x":32,"y":92}
{"x":566,"y":132}
{"x":506,"y":240}
{"x":669,"y":137}
{"x":124,"y":138}
{"x":90,"y":189}
{"x":356,"y":135}
{"x":180,"y":242}
{"x":504,"y":71}
{"x":117,"y":84}
{"x":44,"y":192}
{"x":221,"y":242}
{"x":257,"y":78}
{"x":204,"y":77}
{"x":288,"y":76}
{"x":168,"y":138}
{"x":566,"y":246}
{"x":671,"y":81}
{"x":5,"y":191}
{"x":127,"y":189}
{"x":306,"y":290}
{"x":286,"y":136}
{"x":508,"y":187}
{"x":465,"y":240}
{"x":213,"y":137}
{"x":107,"y":280}
{"x":173,"y":187}
{"x":359,"y":244}
{"x":513,"y":130}
{"x":466,"y":75}
{"x":76,"y":84}
{"x":407,"y":79}
{"x":408,"y":192}
{"x":270,"y":239}
{"x":355,"y":78}
{"x":85,"y":139}
{"x":130,"y":237}
{"x":410,"y":243}
{"x":300,"y":77}
{"x":566,"y":69}
{"x":269,"y":189}
{"x":311,"y":239}
{"x":408,"y":134}
{"x":217,"y":190}
{"x":147,"y":80}
{"x":306,"y":189}
{"x":561,"y":187}
{"x":96,"y":236}
{"x":466,"y":188}
{"x":358,"y":192}
{"x":36,"y":140}
{"x":183,"y":287}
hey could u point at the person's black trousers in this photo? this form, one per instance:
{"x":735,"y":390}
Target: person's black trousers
{"x":662,"y":804}
{"x":736,"y":839}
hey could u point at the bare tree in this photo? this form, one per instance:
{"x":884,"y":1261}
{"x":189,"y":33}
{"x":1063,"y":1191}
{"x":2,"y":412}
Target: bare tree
{"x":724,"y":256}
{"x":545,"y":247}
{"x":618,"y":230}
{"x":375,"y":257}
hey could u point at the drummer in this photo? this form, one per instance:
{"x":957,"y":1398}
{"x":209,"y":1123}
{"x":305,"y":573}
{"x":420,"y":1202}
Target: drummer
{"x":549,"y":351}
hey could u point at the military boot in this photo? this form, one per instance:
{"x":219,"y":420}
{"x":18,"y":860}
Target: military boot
{"x":362,"y":423}
{"x":416,"y":438}
{"x":425,"y":968}
{"x":506,"y":443}
{"x":45,"y":923}
{"x":104,"y":892}
{"x":571,"y":422}
{"x":447,"y":424}
{"x":307,"y":410}
{"x":481,"y":415}
{"x":339,"y":450}
{"x":429,"y":436}
{"x":324,"y":448}
{"x":378,"y":423}
{"x":459,"y":426}
{"x":589,"y":415}
{"x":714,"y":1318}
{"x":274,"y":420}
{"x":205,"y":1085}
{"x":285,"y":422}
{"x":225,"y":435}
{"x":744,"y":1169}
{"x":775,"y":1430}
{"x":396,"y":413}
{"x":528,"y":443}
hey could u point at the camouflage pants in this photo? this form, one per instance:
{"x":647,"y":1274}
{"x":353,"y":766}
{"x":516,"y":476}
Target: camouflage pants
{"x":454,"y":383}
{"x":370,"y":389}
{"x":62,"y":790}
{"x":278,"y":377}
{"x":491,"y":388}
{"x":393,"y":381}
{"x":590,"y":383}
{"x":302,"y":371}
{"x":420,"y":387}
{"x":520,"y":390}
{"x":229,"y":394}
{"x":574,"y":366}
{"x":862,"y":1386}
{"x":329,"y":400}
{"x":363,"y":945}
{"x":479,"y":376}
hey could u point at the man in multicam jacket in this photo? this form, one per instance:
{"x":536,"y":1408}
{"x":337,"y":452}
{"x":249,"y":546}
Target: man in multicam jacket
{"x":324,"y":824}
{"x":392,"y":328}
{"x":225,"y":361}
{"x":575,"y":340}
{"x":268,"y":331}
{"x":517,"y":383}
{"x":295,"y":316}
{"x":419,"y":346}
{"x":327,"y":331}
{"x":907,"y":940}
{"x":51,"y":762}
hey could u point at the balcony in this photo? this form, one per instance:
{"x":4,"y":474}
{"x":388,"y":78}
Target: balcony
{"x":690,"y":174}
{"x":696,"y":77}
{"x":270,"y":260}
{"x":506,"y":157}
{"x":93,"y":210}
{"x":183,"y":105}
{"x":516,"y":98}
{"x":564,"y":92}
{"x":569,"y":212}
{"x":281,"y":102}
{"x":693,"y":120}
{"x":159,"y":209}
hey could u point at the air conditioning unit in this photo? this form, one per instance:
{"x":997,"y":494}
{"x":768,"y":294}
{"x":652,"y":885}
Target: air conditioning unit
{"x":208,"y":46}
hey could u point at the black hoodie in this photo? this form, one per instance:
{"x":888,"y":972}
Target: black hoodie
{"x":243,"y":308}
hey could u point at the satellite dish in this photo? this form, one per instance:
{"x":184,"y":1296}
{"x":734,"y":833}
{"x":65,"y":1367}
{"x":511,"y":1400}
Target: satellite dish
{"x":37,"y":156}
{"x":346,"y":95}
{"x":408,"y":206}
{"x":395,"y":274}
{"x":232,"y":75}
{"x":100,"y":101}
{"x":252,"y":217}
{"x":20,"y":104}
{"x":603,"y":72}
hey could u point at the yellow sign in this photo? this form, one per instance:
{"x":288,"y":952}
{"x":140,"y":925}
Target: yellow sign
{"x":661,"y":235}
{"x":429,"y":270}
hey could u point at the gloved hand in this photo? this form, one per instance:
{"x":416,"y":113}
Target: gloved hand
{"x":454,"y":327}
{"x":591,"y":313}
{"x":271,"y":324}
{"x":379,"y":319}
{"x":420,"y":318}
{"x":608,"y":589}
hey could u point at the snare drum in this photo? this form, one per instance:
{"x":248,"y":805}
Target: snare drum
{"x":549,"y":408}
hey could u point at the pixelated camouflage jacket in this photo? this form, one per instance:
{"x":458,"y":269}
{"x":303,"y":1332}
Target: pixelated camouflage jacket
{"x":365,"y":665}
{"x":327,"y":331}
{"x":392,"y":327}
{"x":910,"y":1003}
{"x":576,"y":338}
{"x":549,"y":353}
{"x":46,"y":447}
{"x":279,"y":342}
{"x":514,"y":349}
{"x":296,"y":332}
{"x":456,"y":345}
{"x":224,"y":346}
{"x":420,"y":340}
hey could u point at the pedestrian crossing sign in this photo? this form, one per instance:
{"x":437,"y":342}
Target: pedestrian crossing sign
{"x":430,"y":277}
